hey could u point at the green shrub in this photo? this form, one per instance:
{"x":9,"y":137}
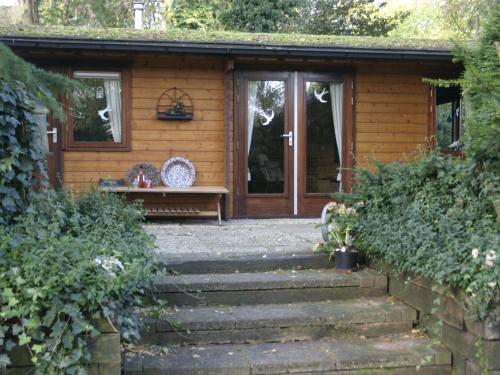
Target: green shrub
{"x":428,"y":217}
{"x":65,"y":264}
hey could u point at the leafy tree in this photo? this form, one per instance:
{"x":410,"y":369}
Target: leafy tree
{"x":464,"y":17}
{"x":194,"y":14}
{"x":31,"y":14}
{"x":481,"y":84}
{"x":112,"y":13}
{"x":260,"y":15}
{"x":458,"y":19}
{"x":42,"y":85}
{"x":425,"y":20}
{"x":350,"y":17}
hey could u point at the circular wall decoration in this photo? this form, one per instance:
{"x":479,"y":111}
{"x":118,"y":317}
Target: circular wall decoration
{"x":150,"y":172}
{"x":178,"y":172}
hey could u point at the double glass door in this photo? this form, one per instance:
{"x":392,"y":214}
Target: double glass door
{"x":289,"y":142}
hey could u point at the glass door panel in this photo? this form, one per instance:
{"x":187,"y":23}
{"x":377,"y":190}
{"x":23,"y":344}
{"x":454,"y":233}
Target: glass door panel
{"x":322,"y":131}
{"x":265,"y":146}
{"x":322,"y":136}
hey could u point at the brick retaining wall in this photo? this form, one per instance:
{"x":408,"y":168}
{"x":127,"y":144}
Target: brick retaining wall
{"x":443,"y":317}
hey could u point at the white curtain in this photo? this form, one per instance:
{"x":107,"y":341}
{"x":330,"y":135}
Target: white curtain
{"x":253,"y":87}
{"x":337,"y":95}
{"x":113,"y":103}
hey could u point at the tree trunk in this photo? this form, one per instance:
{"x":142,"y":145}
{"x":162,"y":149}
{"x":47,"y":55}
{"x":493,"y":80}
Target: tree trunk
{"x":30,"y":11}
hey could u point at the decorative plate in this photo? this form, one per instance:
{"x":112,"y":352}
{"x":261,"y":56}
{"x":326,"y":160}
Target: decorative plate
{"x":178,"y":172}
{"x":150,"y":172}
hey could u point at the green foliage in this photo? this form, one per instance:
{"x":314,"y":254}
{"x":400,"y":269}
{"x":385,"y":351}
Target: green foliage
{"x":20,"y":155}
{"x":42,"y":85}
{"x":96,"y":13}
{"x":457,"y":19}
{"x":194,"y":14}
{"x":260,"y":15}
{"x":88,"y":259}
{"x":428,"y":217}
{"x":352,"y":17}
{"x":464,"y":18}
{"x":481,"y":85}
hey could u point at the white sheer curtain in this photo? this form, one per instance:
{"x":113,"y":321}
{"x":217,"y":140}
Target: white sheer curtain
{"x":253,"y":87}
{"x":113,"y":103}
{"x":337,"y":95}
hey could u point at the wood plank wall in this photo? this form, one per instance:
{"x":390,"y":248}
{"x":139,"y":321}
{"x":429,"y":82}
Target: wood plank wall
{"x":392,"y":115}
{"x":392,"y":112}
{"x":154,"y":141}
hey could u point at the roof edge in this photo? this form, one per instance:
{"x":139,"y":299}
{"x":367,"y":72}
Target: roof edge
{"x":225,"y":48}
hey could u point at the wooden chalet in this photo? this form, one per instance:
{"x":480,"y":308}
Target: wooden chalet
{"x":278,"y":120}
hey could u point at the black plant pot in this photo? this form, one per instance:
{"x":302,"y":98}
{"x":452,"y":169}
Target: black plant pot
{"x":346,"y":261}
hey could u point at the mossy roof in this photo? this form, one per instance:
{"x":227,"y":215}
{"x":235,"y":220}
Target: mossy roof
{"x":211,"y":38}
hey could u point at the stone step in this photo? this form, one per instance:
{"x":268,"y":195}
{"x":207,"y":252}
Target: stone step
{"x":368,"y":317}
{"x":247,"y":263}
{"x":394,"y":355}
{"x":287,"y":286}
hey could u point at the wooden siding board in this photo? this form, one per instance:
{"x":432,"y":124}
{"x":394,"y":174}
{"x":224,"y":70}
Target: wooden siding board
{"x":392,"y":113}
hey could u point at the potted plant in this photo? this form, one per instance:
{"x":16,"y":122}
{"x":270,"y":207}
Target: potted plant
{"x":339,"y":222}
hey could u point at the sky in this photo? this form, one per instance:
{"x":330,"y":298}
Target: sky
{"x":8,"y":2}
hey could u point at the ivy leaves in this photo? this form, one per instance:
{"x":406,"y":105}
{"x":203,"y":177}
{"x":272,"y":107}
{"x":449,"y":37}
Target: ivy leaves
{"x":52,"y":290}
{"x":18,"y":152}
{"x":434,"y":214}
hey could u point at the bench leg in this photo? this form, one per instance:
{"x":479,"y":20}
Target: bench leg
{"x":218,"y":210}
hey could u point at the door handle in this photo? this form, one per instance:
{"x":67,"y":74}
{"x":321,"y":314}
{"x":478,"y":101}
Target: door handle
{"x":288,"y":135}
{"x":54,"y":134}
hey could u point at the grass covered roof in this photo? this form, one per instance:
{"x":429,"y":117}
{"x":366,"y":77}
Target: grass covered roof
{"x":221,"y":37}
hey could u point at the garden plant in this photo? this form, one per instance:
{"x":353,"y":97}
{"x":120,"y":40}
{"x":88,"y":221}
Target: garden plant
{"x":66,"y":263}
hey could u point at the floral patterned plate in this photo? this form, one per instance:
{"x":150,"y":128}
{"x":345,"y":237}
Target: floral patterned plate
{"x":178,"y":172}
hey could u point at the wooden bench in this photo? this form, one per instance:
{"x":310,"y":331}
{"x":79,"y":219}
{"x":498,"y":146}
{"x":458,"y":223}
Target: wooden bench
{"x":165,"y":208}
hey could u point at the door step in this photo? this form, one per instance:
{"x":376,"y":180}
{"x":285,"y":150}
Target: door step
{"x":383,"y":355}
{"x":288,"y":286}
{"x":249,"y":263}
{"x":367,"y":317}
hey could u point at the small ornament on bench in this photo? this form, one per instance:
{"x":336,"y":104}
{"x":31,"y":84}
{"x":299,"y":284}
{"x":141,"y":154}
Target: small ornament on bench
{"x":141,"y":181}
{"x":143,"y":175}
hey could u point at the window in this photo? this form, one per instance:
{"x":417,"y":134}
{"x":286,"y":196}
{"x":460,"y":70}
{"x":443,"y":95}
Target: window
{"x":449,"y":127}
{"x":99,"y":120}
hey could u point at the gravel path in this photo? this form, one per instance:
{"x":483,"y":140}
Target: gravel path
{"x":235,"y":238}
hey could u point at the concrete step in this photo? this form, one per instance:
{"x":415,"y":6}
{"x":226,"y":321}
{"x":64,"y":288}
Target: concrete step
{"x":248,"y":263}
{"x":368,"y":317}
{"x":288,"y":286}
{"x":394,"y":355}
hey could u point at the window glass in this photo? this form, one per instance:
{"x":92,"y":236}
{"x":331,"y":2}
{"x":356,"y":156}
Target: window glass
{"x":449,"y":127}
{"x":444,"y":125}
{"x":265,"y":144}
{"x":324,"y":135}
{"x":97,"y":118}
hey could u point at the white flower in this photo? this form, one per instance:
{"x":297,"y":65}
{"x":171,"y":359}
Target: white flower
{"x":331,"y":206}
{"x":492,"y":284}
{"x":475,"y":253}
{"x":490,"y":258}
{"x":108,"y":263}
{"x":343,"y":249}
